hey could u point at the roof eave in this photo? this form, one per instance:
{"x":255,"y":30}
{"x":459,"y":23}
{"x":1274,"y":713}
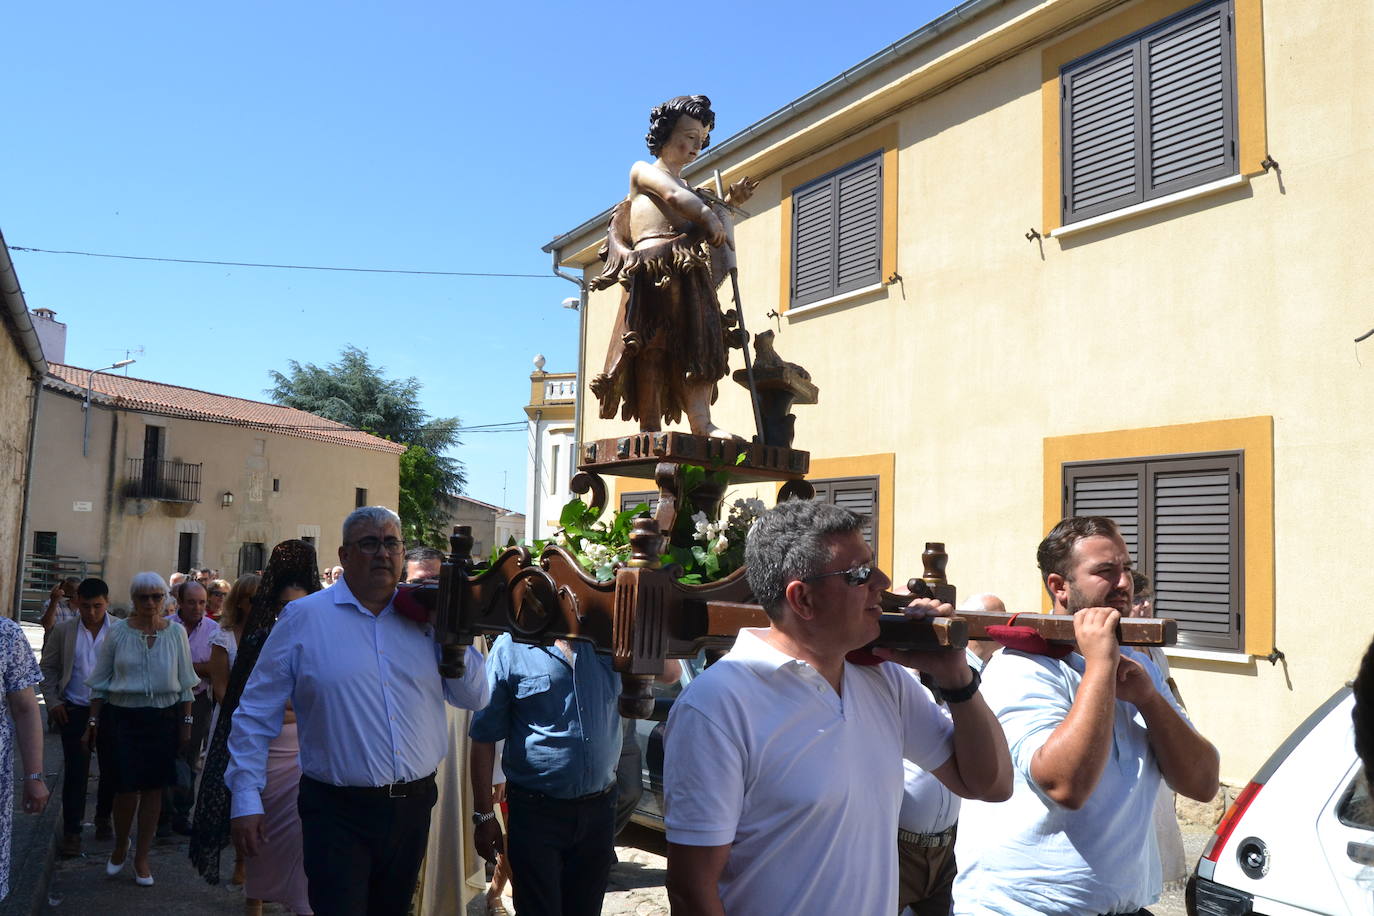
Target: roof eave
{"x":18,"y":310}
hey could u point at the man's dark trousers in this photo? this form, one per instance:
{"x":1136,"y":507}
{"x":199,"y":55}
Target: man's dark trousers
{"x":180,"y":799}
{"x":76,"y":770}
{"x":362,"y":848}
{"x":561,"y":851}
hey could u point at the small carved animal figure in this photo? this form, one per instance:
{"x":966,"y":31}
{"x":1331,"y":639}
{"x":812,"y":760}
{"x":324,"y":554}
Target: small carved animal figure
{"x":765,"y":357}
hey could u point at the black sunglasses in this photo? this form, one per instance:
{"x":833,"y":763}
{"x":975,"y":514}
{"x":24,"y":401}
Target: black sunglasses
{"x":855,"y":575}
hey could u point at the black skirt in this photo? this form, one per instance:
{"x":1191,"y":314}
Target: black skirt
{"x":138,"y":746}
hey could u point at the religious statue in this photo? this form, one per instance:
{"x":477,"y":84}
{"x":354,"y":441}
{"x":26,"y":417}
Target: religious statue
{"x":669,"y":246}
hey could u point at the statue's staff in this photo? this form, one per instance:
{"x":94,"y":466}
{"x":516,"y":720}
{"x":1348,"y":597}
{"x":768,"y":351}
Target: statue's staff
{"x":730,"y":260}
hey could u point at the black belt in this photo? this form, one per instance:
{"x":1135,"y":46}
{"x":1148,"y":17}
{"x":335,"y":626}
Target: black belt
{"x":395,"y":790}
{"x":513,"y":789}
{"x":943,"y":838}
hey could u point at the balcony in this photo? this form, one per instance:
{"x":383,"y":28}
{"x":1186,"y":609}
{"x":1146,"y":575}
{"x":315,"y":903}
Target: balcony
{"x":168,"y":481}
{"x":563,"y":389}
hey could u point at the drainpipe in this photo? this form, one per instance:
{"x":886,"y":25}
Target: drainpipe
{"x":581,"y":354}
{"x":536,"y":493}
{"x":25,"y":524}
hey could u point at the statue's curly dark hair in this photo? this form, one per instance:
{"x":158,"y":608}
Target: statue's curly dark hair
{"x":1363,"y":713}
{"x":664,"y":118}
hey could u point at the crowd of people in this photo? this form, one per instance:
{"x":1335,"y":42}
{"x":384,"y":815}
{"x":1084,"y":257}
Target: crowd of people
{"x":301,"y":718}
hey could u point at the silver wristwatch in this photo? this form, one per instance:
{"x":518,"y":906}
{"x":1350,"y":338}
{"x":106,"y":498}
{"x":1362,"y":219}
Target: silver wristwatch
{"x":478,"y":819}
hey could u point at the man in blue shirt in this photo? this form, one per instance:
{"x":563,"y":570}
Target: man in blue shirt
{"x":364,"y":682}
{"x":556,"y":708}
{"x":1092,"y":733}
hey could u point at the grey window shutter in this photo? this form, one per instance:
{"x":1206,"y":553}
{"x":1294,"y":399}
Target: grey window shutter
{"x":1196,"y":549}
{"x":1189,"y":89}
{"x":1101,"y":148}
{"x":859,"y":238}
{"x":1181,"y":520}
{"x":1116,"y":496}
{"x":857,"y":494}
{"x":813,"y":251}
{"x":837,"y":232}
{"x":648,"y":497}
{"x":1150,"y":115}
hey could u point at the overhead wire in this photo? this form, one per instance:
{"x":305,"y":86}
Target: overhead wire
{"x":362,"y":270}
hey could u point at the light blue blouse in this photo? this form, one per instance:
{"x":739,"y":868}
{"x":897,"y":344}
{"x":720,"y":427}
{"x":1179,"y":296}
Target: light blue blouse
{"x":129,"y":672}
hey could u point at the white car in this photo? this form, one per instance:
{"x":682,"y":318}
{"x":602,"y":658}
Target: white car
{"x":1299,"y":839}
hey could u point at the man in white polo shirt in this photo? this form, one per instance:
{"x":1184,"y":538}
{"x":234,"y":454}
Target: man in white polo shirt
{"x":783,"y":764}
{"x":1091,"y":733}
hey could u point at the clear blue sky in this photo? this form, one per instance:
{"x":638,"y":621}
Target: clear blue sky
{"x":430,"y":136}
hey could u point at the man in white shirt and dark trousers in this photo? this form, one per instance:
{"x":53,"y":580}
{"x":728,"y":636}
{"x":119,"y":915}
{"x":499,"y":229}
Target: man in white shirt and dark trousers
{"x":1091,"y":734}
{"x":783,"y":765}
{"x":69,"y":651}
{"x":365,"y":685}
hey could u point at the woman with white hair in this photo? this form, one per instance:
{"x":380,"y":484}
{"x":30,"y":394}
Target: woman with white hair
{"x":140,"y":716}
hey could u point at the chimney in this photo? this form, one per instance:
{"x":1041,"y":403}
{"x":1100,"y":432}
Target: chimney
{"x":52,"y":334}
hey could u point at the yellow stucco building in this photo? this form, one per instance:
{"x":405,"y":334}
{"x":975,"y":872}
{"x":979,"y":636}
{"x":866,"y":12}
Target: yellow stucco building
{"x":167,"y":478}
{"x":1075,"y":256}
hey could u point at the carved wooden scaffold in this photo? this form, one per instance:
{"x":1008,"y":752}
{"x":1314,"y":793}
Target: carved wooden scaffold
{"x":644,"y":615}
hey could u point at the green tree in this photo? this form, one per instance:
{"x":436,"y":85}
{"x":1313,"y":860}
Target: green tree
{"x":420,"y":510}
{"x":354,"y":392}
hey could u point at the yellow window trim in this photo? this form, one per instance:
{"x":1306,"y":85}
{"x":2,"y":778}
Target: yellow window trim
{"x":1254,"y":436}
{"x":882,"y":138}
{"x":882,"y":466}
{"x":1249,"y":62}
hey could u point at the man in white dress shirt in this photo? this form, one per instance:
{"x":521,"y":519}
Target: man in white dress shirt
{"x":68,"y":659}
{"x":369,"y":704}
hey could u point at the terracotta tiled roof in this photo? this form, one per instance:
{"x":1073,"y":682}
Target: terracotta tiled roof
{"x":499,"y":510}
{"x":174,"y":401}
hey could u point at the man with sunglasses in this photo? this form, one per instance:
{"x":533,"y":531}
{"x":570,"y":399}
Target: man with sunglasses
{"x":783,"y":766}
{"x":369,"y":703}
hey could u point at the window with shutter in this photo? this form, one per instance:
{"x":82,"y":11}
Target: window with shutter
{"x":1181,"y":518}
{"x":1150,"y":115}
{"x":857,"y":494}
{"x":642,"y":497}
{"x":837,"y":232}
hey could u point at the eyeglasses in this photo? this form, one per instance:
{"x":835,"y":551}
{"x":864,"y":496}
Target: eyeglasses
{"x":855,"y":575}
{"x":150,"y":596}
{"x":374,"y":545}
{"x":216,"y":594}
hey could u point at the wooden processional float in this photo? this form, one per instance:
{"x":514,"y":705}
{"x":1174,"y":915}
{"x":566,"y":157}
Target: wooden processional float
{"x":644,"y":615}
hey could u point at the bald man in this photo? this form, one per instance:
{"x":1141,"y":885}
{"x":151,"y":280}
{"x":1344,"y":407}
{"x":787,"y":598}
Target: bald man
{"x":982,"y":649}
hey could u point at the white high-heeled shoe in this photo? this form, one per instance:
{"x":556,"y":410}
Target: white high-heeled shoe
{"x":142,"y":881}
{"x":110,"y":868}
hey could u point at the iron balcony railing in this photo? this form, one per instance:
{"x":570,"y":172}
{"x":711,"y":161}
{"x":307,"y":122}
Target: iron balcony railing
{"x":172,"y":481}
